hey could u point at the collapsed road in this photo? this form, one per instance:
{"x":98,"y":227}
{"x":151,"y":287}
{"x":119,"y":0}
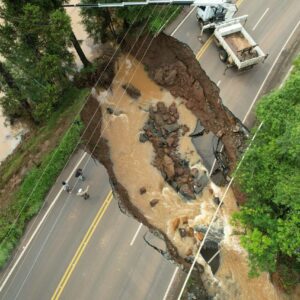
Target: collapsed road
{"x":141,"y":134}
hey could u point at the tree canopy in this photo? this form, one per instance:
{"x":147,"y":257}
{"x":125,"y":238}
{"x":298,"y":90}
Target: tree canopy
{"x":106,"y":24}
{"x":270,"y":178}
{"x":34,"y":41}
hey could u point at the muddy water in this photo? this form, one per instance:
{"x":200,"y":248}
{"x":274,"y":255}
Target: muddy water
{"x":10,"y":137}
{"x":87,"y":45}
{"x":233,"y":271}
{"x":132,"y":163}
{"x":133,"y":160}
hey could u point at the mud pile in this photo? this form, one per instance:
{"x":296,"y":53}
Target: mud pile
{"x":140,"y":129}
{"x":163,"y":131}
{"x":172,"y":65}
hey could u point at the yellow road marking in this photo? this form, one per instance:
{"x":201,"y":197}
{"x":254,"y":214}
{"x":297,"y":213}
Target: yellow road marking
{"x":209,"y":41}
{"x":65,"y":278}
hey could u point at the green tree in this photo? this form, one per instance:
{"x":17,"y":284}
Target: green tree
{"x":270,"y":177}
{"x":107,"y":24}
{"x":34,"y":40}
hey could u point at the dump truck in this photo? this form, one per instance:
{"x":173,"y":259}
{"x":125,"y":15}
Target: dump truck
{"x":236,"y":46}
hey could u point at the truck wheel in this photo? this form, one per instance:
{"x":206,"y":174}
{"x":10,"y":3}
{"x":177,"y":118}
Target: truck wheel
{"x":223,"y":55}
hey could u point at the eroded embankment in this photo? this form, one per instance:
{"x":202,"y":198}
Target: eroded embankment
{"x":172,"y":64}
{"x":140,"y":132}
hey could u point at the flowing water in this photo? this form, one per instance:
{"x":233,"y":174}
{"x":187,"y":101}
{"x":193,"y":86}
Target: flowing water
{"x":10,"y":137}
{"x":132,"y":163}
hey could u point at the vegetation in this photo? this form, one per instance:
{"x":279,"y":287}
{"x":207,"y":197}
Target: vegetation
{"x":27,"y":201}
{"x":34,"y":40}
{"x":109,"y":24}
{"x":270,"y":177}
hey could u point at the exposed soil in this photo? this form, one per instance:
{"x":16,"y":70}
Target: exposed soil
{"x":98,"y":146}
{"x":173,"y":65}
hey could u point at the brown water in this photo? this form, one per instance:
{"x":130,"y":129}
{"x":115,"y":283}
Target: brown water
{"x":87,"y":44}
{"x":133,"y":167}
{"x":133,"y":160}
{"x":10,"y":137}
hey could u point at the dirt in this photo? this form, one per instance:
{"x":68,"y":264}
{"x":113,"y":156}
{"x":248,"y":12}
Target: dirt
{"x":140,"y":128}
{"x":172,"y":65}
{"x":98,"y":146}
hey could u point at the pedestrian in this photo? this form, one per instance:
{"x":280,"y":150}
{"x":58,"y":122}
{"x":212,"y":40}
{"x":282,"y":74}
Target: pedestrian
{"x":79,"y":174}
{"x":66,"y":187}
{"x":84,"y":193}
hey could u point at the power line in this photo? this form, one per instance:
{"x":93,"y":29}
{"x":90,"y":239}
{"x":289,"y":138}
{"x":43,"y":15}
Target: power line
{"x":86,"y":126}
{"x":215,"y":214}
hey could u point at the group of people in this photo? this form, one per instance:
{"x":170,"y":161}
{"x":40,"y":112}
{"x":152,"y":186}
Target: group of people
{"x":82,"y":193}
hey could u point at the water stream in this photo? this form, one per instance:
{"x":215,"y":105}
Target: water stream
{"x":132,"y":163}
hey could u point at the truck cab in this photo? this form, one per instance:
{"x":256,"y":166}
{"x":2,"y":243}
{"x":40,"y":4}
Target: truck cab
{"x":211,"y":14}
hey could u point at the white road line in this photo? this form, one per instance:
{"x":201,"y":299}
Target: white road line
{"x":286,"y":76}
{"x":170,"y":284}
{"x":218,"y":83}
{"x":214,"y":256}
{"x":136,"y":234}
{"x":183,"y":21}
{"x":260,"y":19}
{"x":272,"y":67}
{"x":38,"y":227}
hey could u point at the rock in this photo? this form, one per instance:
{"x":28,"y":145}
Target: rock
{"x":182,"y":232}
{"x":175,"y":185}
{"x":110,"y":110}
{"x":172,"y":119}
{"x":194,"y":172}
{"x":131,"y":90}
{"x":189,"y":105}
{"x":170,"y":141}
{"x":153,"y":202}
{"x":202,"y":181}
{"x":168,"y":166}
{"x":143,"y":190}
{"x":179,"y":171}
{"x":173,"y":109}
{"x":199,"y":235}
{"x":184,"y":129}
{"x":220,"y":133}
{"x":161,"y":108}
{"x":184,"y":220}
{"x":175,"y":223}
{"x":236,"y":128}
{"x":158,"y":118}
{"x":170,"y":77}
{"x":143,"y":138}
{"x":190,"y":232}
{"x":171,"y":127}
{"x":216,"y":200}
{"x":186,"y":192}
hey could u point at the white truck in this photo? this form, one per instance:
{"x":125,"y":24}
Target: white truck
{"x":236,"y":46}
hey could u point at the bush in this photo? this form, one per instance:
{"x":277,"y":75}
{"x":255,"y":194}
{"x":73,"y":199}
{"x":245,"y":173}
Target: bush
{"x":27,"y":200}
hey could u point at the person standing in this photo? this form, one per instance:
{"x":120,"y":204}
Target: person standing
{"x":84,"y":193}
{"x":79,"y":174}
{"x":66,"y":187}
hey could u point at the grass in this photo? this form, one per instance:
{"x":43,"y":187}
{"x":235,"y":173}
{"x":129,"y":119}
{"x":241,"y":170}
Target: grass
{"x":61,"y":145}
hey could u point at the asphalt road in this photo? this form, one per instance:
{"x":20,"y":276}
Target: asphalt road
{"x":113,"y":262}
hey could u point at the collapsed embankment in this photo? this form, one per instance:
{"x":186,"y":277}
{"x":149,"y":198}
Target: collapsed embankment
{"x":140,"y":128}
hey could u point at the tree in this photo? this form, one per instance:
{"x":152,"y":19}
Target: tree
{"x":34,"y":40}
{"x":105,"y":24}
{"x":270,"y":178}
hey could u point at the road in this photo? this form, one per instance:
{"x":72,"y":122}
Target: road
{"x":113,"y":262}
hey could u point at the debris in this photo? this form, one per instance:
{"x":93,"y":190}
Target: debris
{"x":143,"y":190}
{"x":182,"y":232}
{"x":153,"y":202}
{"x":131,"y":90}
